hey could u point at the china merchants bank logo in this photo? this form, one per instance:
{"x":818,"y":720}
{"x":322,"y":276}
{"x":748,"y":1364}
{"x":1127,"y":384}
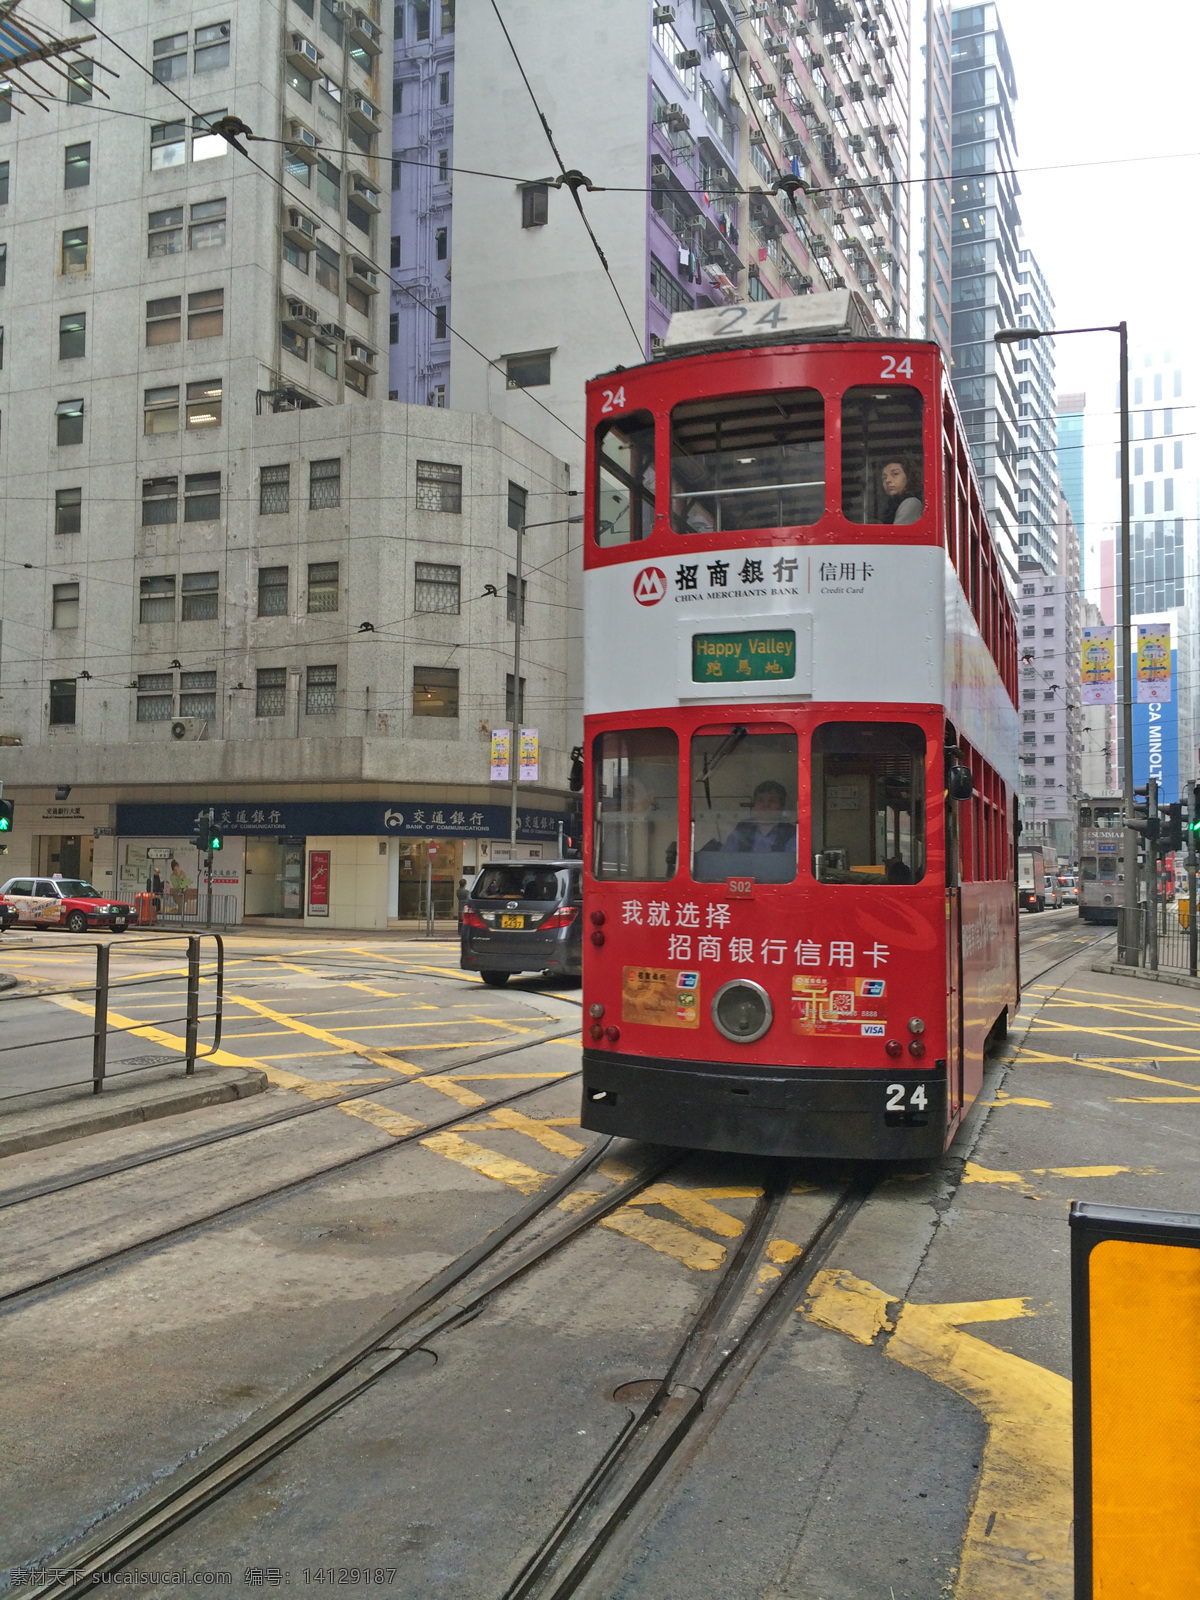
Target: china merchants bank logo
{"x":650,"y":586}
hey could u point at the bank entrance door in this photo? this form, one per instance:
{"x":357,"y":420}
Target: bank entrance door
{"x":68,"y":854}
{"x":274,"y":878}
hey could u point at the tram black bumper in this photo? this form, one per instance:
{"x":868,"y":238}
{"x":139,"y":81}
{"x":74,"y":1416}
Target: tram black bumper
{"x":792,"y":1111}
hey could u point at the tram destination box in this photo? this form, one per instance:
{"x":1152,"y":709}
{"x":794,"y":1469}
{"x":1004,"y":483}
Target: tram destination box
{"x":836,"y":313}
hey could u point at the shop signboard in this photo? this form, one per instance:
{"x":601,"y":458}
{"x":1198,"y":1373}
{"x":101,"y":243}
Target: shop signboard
{"x":403,"y":819}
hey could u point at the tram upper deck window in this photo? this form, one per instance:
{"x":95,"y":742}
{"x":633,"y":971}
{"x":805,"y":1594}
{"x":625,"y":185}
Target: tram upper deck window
{"x":744,"y":806}
{"x":883,"y":469}
{"x":868,"y":802}
{"x":636,"y":782}
{"x":748,"y":461}
{"x":625,"y":479}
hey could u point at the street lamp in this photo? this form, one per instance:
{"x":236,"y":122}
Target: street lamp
{"x":514,"y":766}
{"x":1127,"y":944}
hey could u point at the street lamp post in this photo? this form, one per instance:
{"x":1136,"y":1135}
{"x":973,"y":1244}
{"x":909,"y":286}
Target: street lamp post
{"x":1127,"y":942}
{"x":514,"y":736}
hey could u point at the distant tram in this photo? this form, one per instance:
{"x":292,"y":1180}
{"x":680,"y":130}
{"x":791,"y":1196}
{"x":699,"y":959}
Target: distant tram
{"x":1101,"y":857}
{"x":800,"y":743}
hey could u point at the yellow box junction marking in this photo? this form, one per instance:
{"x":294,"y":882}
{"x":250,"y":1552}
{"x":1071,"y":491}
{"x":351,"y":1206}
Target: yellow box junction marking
{"x":972,"y":1173}
{"x":691,"y":1205}
{"x":350,"y":1046}
{"x":505,"y":1117}
{"x":502,"y":1168}
{"x":668,"y":1238}
{"x":1018,"y":1539}
{"x":393,"y":1122}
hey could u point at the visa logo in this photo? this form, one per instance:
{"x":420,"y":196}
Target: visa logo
{"x":873,"y":1030}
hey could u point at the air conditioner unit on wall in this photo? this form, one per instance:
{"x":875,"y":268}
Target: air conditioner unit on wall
{"x":189,"y":728}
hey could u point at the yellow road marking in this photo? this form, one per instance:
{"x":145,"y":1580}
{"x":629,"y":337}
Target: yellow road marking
{"x":686,"y":1203}
{"x":1003,"y":1099}
{"x":502,"y":1168}
{"x":1170,"y":1005}
{"x":1121,"y":1035}
{"x":1018,"y":1539}
{"x":451,"y":1087}
{"x":310,"y":1088}
{"x":505,"y":1117}
{"x":1157,"y":1100}
{"x":783,"y":1250}
{"x":668,"y":1238}
{"x":351,"y":1046}
{"x":977,"y":1174}
{"x":1039,"y":1059}
{"x":481,"y":1077}
{"x":393,"y":1122}
{"x":580,"y":1199}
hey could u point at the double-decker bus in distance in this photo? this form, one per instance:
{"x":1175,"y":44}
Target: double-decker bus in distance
{"x":800,"y":743}
{"x":1101,"y":857}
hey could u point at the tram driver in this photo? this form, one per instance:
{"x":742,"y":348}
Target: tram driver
{"x":901,"y":482}
{"x":766,"y":830}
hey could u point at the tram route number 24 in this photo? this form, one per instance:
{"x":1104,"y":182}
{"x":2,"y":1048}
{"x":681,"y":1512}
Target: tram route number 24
{"x":917,"y":1100}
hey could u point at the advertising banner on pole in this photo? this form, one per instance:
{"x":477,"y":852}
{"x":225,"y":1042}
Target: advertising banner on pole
{"x":528,"y":756}
{"x":318,"y":883}
{"x":501,"y":747}
{"x":1156,"y":743}
{"x":1099,"y":667}
{"x":1154,"y":664}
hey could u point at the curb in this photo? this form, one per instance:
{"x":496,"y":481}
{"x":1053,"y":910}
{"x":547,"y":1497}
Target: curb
{"x":239,"y":1083}
{"x":8,"y":980}
{"x":1179,"y":979}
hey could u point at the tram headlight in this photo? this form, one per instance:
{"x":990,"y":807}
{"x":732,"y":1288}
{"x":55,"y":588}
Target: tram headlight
{"x":915,"y":1025}
{"x":742,"y":1011}
{"x":596,"y":1009}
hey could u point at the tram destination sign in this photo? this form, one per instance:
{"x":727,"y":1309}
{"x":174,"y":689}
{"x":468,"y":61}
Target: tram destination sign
{"x":743,"y":657}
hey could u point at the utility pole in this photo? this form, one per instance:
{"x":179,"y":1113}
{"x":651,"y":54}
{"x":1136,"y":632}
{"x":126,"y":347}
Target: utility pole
{"x":1127,"y":954}
{"x":518,"y":710}
{"x":1152,"y":836}
{"x":1193,"y":826}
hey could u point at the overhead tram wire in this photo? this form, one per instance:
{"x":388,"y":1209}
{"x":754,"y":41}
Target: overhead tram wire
{"x":232,"y":134}
{"x":573,"y":180}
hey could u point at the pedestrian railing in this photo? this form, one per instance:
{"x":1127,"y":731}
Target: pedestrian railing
{"x":22,"y":1012}
{"x":194,"y":910}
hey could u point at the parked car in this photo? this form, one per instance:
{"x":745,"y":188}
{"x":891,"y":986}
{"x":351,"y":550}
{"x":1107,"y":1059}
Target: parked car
{"x":64,"y":903}
{"x":524,"y":916}
{"x":8,"y":915}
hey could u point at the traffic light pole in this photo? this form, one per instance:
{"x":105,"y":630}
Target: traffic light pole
{"x":1151,"y":848}
{"x":1129,"y":952}
{"x":1194,"y":818}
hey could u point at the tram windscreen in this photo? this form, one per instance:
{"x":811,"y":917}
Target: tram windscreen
{"x":625,"y":480}
{"x":744,"y":806}
{"x":868,"y":802}
{"x":748,"y":461}
{"x":636,"y":798}
{"x":883,"y":465}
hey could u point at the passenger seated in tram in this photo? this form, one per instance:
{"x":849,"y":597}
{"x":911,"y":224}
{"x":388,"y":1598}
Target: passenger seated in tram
{"x":901,"y":480}
{"x":766,"y":830}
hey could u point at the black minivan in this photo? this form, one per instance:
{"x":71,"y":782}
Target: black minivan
{"x":524,"y":916}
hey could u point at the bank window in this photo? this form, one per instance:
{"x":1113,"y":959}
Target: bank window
{"x":199,"y":596}
{"x":62,"y":702}
{"x":160,"y":501}
{"x":197,"y":693}
{"x":439,"y":486}
{"x":322,"y":586}
{"x":160,"y":409}
{"x":155,"y":697}
{"x":324,"y":484}
{"x":204,"y":404}
{"x":68,"y":510}
{"x":636,"y":818}
{"x":164,"y":236}
{"x":163,"y":324}
{"x":272,"y":591}
{"x":868,"y":802}
{"x":207,"y":227}
{"x":883,"y":472}
{"x":206,"y":314}
{"x":168,"y":145}
{"x":320,"y":692}
{"x":273,"y":490}
{"x":201,"y":496}
{"x":748,"y":461}
{"x":66,"y":606}
{"x":437,"y":588}
{"x":270,"y":691}
{"x":435,"y":692}
{"x":743,"y":788}
{"x":157,"y":599}
{"x":625,"y":480}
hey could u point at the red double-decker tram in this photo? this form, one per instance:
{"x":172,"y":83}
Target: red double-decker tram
{"x":800,"y":676}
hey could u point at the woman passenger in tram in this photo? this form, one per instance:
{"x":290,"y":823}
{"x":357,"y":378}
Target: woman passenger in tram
{"x":901,"y":480}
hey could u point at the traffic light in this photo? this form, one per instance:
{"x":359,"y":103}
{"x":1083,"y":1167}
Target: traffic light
{"x":213,"y":838}
{"x":6,"y":816}
{"x":207,"y":836}
{"x":1141,"y":821}
{"x":1172,"y":835}
{"x":1194,"y":817}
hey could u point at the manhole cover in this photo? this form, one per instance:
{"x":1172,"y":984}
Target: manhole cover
{"x":148,"y":1061}
{"x":639,"y":1392}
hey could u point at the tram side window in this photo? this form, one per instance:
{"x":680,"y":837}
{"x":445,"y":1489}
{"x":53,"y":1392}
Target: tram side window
{"x":625,"y":480}
{"x":748,"y":461}
{"x":744,"y":806}
{"x":868,"y":802}
{"x":883,"y":463}
{"x":636,"y":797}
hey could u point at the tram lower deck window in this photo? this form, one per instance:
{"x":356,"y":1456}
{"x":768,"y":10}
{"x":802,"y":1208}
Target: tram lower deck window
{"x":748,"y":461}
{"x":744,"y":805}
{"x":625,"y":480}
{"x":868,"y":802}
{"x":636,"y":800}
{"x":883,"y":468}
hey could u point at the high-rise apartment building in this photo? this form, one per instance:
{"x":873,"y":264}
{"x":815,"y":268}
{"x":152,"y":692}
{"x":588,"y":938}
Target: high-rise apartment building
{"x":701,"y":127}
{"x":1037,"y":452}
{"x":985,"y":262}
{"x":1049,"y":608}
{"x":1072,"y":462}
{"x":233,"y":573}
{"x":932,"y":207}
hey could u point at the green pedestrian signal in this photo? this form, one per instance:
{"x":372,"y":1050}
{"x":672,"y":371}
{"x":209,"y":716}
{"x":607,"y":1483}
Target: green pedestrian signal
{"x":6,"y":816}
{"x":214,"y":839}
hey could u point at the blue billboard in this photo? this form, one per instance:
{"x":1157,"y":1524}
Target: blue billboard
{"x":1156,"y":742}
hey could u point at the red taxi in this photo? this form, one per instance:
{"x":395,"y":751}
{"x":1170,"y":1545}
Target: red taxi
{"x":64,"y":903}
